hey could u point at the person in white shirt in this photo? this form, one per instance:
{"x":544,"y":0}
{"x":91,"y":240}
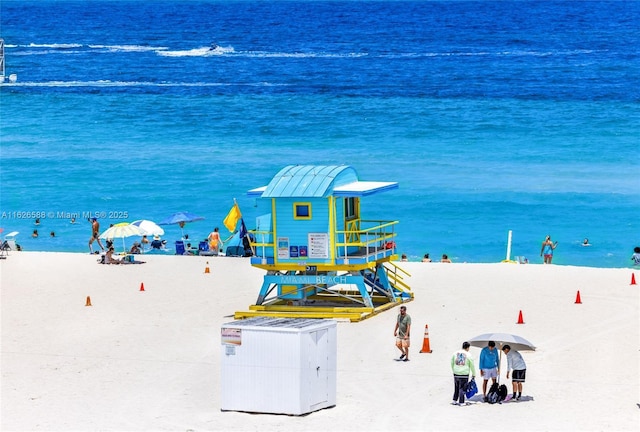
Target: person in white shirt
{"x":515,"y":363}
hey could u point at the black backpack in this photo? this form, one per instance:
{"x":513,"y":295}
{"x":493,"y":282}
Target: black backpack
{"x":497,"y":393}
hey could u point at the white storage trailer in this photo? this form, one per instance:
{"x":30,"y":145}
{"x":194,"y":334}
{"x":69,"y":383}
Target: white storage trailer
{"x":278,"y":365}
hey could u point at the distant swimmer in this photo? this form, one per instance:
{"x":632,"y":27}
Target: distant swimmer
{"x":585,"y":242}
{"x":214,"y":47}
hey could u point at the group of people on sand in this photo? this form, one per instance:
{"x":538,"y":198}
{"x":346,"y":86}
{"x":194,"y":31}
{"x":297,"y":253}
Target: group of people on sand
{"x":138,"y":247}
{"x":462,"y":363}
{"x":462,"y":366}
{"x":214,"y":242}
{"x":108,"y":257}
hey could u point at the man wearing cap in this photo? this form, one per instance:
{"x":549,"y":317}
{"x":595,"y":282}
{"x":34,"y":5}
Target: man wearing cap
{"x":95,"y":234}
{"x":402,"y":333}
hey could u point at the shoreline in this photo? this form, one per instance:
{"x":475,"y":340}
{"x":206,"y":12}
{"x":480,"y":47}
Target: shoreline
{"x":152,"y":360}
{"x":169,"y":253}
{"x":571,"y":252}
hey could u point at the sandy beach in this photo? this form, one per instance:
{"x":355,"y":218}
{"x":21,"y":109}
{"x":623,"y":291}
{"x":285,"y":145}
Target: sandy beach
{"x":150,"y":360}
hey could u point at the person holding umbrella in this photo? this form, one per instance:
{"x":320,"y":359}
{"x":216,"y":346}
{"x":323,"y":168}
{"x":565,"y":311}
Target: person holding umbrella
{"x":515,"y":363}
{"x":462,"y":366}
{"x":489,"y":365}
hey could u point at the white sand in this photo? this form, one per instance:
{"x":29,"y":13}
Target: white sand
{"x":150,"y":360}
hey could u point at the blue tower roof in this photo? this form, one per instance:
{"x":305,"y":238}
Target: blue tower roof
{"x":308,"y":181}
{"x":319,"y":181}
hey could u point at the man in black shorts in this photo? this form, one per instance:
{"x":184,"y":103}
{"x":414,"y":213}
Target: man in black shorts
{"x":515,"y":363}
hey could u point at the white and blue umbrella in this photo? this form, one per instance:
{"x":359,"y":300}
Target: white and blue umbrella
{"x":150,"y":228}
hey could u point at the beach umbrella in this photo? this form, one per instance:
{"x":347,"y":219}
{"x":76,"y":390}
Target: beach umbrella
{"x":122,"y":229}
{"x":180,"y":218}
{"x":516,"y":342}
{"x":149,"y":227}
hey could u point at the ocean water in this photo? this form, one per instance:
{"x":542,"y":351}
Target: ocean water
{"x":492,"y":116}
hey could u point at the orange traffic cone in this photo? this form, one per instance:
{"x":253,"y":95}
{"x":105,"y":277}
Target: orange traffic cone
{"x":141,"y":286}
{"x":425,"y":341}
{"x":206,"y":269}
{"x":633,"y":279}
{"x":578,"y":301}
{"x":520,"y":320}
{"x":88,"y":301}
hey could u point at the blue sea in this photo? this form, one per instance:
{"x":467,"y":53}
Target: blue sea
{"x":493,"y":116}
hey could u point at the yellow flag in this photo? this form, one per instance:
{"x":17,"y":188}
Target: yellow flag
{"x":232,"y":218}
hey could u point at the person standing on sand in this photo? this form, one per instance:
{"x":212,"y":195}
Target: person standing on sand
{"x":214,"y":240}
{"x":95,"y":234}
{"x":462,"y":366}
{"x":515,"y":363}
{"x":547,"y":249}
{"x":489,"y":365}
{"x":402,"y":332}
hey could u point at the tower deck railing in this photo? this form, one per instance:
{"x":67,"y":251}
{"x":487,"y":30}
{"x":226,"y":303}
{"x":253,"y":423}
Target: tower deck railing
{"x":372,"y":241}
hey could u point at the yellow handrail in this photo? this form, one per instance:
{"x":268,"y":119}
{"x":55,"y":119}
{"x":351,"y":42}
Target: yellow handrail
{"x":375,"y":237}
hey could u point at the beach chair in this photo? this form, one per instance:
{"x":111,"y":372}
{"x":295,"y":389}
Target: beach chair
{"x":203,"y":249}
{"x":180,"y":250}
{"x":4,"y":250}
{"x":10,"y":241}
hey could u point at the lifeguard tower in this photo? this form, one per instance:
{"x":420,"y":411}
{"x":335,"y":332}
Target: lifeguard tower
{"x":323,"y":258}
